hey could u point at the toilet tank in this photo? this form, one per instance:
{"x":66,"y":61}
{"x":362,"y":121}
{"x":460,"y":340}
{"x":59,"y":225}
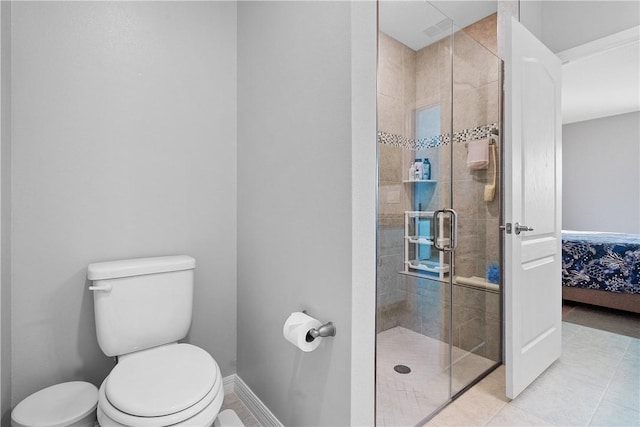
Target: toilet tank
{"x":141,"y":303}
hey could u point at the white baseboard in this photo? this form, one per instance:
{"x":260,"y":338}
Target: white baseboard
{"x":228,"y":384}
{"x":234,"y":384}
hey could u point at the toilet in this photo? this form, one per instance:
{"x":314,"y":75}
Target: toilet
{"x":70,"y":404}
{"x":142,"y":308}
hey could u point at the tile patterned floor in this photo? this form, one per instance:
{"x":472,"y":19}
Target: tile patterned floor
{"x":406,"y":399}
{"x":596,"y":382}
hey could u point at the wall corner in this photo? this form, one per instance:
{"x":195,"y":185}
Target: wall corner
{"x":364,"y":178}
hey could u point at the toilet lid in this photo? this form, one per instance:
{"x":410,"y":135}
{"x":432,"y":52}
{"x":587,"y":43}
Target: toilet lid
{"x":59,"y":405}
{"x":161,"y":381}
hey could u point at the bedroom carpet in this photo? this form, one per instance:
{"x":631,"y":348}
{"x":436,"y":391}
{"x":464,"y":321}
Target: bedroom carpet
{"x":616,"y":321}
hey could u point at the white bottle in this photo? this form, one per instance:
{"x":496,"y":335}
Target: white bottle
{"x":412,"y":172}
{"x":418,"y":169}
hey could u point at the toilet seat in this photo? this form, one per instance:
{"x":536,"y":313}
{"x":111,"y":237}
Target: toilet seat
{"x":161,"y":386}
{"x":161,"y":381}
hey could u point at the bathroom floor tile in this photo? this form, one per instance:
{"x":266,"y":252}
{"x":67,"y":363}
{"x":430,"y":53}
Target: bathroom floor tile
{"x":611,"y":414}
{"x":231,"y":401}
{"x":512,"y":416}
{"x":561,"y":398}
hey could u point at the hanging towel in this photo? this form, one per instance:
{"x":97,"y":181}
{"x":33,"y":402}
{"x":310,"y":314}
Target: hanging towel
{"x":478,"y":154}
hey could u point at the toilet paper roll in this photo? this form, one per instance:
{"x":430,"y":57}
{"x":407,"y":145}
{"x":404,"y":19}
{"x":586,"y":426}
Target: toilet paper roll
{"x":296,"y":328}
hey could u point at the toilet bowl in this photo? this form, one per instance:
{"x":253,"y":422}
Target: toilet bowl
{"x":174,"y":384}
{"x":70,"y":404}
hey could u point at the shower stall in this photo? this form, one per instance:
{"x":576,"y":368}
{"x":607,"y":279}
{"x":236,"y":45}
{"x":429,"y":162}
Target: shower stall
{"x":438,"y":311}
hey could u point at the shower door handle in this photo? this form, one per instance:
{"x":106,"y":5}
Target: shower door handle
{"x":453,"y":241}
{"x":436,"y":229}
{"x":453,"y":244}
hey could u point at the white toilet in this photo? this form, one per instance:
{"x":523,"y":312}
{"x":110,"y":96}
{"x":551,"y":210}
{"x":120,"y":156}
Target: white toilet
{"x":142,"y":308}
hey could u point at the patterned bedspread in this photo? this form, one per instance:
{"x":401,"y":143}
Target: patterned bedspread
{"x":604,"y":261}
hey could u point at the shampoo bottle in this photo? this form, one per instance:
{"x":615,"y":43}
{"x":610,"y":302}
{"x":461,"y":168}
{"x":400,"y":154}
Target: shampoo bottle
{"x":426,"y":169}
{"x":412,"y":172}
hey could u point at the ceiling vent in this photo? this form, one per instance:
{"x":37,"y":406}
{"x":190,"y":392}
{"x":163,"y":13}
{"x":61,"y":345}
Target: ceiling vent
{"x":439,"y":28}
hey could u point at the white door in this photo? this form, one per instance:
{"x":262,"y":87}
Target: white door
{"x":533,"y":307}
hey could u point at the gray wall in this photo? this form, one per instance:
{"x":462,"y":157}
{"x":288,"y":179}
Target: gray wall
{"x":124,"y":145}
{"x":5,"y":212}
{"x":601,"y":180}
{"x":294,"y":204}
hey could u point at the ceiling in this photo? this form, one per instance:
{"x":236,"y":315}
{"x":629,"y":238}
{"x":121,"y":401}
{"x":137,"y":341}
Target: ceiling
{"x":418,"y":23}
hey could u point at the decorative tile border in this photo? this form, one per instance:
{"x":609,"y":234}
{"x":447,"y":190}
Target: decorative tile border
{"x":480,"y":132}
{"x":464,"y":135}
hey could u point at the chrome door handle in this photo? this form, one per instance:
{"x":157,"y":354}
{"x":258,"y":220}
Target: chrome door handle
{"x":436,"y":230}
{"x":520,"y":228}
{"x":454,"y":229}
{"x":453,"y":243}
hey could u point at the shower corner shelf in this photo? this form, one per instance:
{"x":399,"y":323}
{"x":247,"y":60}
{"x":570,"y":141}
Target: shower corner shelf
{"x":413,"y":240}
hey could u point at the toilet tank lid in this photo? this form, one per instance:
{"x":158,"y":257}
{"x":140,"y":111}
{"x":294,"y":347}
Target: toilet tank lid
{"x":139,"y":266}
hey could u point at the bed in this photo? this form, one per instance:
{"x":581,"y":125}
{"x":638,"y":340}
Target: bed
{"x":601,"y":269}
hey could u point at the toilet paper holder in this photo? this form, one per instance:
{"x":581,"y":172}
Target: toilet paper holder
{"x":326,"y":330}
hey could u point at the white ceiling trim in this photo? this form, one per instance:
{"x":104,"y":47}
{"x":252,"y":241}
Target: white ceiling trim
{"x":600,"y":45}
{"x":601,"y":78}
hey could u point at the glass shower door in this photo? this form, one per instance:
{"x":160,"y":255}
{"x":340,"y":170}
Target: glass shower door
{"x":476,"y":154}
{"x":413,"y":320}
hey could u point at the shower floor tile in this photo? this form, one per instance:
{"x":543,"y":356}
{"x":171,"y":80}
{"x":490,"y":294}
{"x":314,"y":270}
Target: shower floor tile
{"x":406,"y":399}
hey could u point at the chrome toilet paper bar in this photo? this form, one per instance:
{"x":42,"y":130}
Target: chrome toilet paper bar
{"x":326,"y":330}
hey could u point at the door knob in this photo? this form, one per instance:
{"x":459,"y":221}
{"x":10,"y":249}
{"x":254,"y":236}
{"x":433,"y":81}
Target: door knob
{"x":520,"y":228}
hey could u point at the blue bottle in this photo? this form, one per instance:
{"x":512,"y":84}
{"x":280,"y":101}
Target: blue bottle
{"x":426,"y":169}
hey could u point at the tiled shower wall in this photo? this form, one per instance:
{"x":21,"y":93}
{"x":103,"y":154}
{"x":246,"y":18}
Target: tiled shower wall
{"x":476,"y":102}
{"x":407,"y":81}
